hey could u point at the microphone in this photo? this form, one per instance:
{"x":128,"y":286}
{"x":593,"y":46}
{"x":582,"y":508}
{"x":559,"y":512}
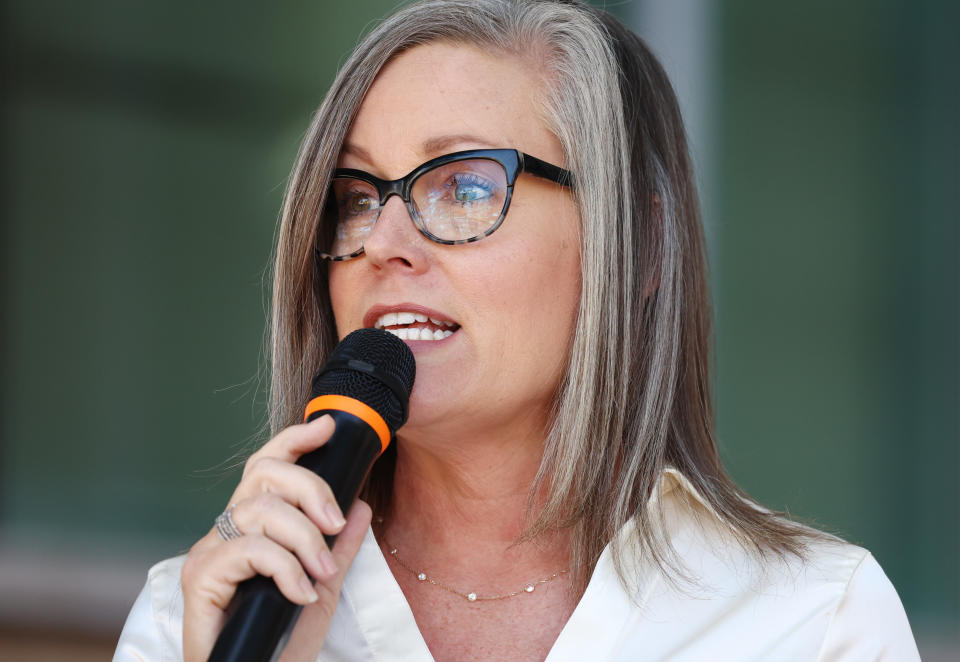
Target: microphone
{"x":365,"y":386}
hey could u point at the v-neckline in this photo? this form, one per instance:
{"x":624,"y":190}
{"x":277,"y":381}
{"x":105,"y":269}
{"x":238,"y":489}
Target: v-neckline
{"x":593,"y":631}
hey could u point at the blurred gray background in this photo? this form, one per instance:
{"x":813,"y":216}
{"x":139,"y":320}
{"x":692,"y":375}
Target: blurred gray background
{"x":145,"y":147}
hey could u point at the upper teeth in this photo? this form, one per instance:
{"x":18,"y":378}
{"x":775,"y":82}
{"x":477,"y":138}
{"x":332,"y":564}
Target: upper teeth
{"x":414,"y":333}
{"x":420,"y":333}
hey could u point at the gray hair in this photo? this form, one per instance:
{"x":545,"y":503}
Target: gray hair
{"x":636,"y":393}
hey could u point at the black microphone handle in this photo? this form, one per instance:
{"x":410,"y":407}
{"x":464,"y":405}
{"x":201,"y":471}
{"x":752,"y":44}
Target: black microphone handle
{"x":260,"y":619}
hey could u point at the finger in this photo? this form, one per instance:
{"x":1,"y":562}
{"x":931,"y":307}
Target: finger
{"x":210,"y":578}
{"x":296,"y":440}
{"x":271,"y":516}
{"x":296,"y":485}
{"x":242,"y":558}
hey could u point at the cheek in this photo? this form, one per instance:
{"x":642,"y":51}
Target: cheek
{"x":339,"y":286}
{"x":543,"y":298}
{"x":553,"y":267}
{"x":544,"y":336}
{"x":560,"y":285}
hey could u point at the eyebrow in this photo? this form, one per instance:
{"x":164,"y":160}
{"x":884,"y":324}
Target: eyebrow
{"x":431,"y":147}
{"x":440,"y":144}
{"x":356,"y":150}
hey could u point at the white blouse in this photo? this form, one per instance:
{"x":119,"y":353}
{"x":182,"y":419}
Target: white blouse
{"x":836,"y":605}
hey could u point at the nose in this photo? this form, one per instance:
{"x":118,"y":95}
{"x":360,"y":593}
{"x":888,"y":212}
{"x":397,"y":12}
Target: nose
{"x":394,"y":242}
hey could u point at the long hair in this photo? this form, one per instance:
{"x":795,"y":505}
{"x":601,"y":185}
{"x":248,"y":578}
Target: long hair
{"x":636,"y":397}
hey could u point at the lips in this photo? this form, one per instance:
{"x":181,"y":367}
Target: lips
{"x":415,"y":325}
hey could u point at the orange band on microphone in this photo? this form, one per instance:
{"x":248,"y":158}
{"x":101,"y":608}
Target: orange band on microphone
{"x":361,"y":410}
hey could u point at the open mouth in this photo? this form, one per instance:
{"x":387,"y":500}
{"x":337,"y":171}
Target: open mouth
{"x":415,"y":326}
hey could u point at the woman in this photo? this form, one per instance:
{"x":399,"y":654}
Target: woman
{"x":556,"y":492}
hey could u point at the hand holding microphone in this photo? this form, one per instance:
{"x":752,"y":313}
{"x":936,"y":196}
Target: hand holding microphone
{"x":242,"y":596}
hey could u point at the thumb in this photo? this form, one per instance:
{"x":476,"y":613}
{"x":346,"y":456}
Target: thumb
{"x":311,"y":629}
{"x":351,"y":537}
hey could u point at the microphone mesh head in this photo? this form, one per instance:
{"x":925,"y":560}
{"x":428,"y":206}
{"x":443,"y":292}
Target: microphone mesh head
{"x":381,"y":375}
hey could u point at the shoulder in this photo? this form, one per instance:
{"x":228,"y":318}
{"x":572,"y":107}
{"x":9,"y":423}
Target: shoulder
{"x":869,"y":621}
{"x":154,"y":627}
{"x":834,"y":603}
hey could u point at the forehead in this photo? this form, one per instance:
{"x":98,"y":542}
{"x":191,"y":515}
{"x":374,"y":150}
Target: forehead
{"x":443,"y":97}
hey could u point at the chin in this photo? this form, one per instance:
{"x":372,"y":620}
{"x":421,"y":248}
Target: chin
{"x":429,"y":410}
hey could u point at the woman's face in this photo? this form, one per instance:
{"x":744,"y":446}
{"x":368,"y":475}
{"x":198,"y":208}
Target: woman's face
{"x":512,"y":297}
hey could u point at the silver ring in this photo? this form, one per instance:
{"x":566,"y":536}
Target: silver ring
{"x":226,"y":527}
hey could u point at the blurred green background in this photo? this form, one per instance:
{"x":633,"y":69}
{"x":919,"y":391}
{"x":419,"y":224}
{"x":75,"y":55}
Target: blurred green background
{"x":145,"y":148}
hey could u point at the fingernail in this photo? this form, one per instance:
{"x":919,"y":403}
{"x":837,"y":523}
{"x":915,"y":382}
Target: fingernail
{"x":326,"y":560}
{"x":334,"y":515}
{"x":308,"y":589}
{"x":320,"y":418}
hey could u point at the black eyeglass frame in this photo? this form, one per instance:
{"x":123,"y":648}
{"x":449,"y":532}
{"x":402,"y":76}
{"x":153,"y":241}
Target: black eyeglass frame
{"x":513,"y":162}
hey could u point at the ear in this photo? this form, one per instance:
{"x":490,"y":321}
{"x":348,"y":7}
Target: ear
{"x":652,"y":283}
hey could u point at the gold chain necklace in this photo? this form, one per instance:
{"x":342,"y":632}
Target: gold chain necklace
{"x":470,"y":596}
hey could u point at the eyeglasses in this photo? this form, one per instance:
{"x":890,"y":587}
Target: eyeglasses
{"x":453,"y":199}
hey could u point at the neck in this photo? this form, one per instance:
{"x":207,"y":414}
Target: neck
{"x":460,"y":506}
{"x":483,"y":492}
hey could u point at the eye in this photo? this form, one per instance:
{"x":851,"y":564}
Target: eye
{"x":355,"y":202}
{"x":469,"y":188}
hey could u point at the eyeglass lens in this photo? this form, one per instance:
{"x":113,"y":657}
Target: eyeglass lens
{"x":454,"y":202}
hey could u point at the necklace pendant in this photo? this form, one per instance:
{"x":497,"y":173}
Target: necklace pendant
{"x":472,"y":597}
{"x":529,"y":588}
{"x":422,"y":576}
